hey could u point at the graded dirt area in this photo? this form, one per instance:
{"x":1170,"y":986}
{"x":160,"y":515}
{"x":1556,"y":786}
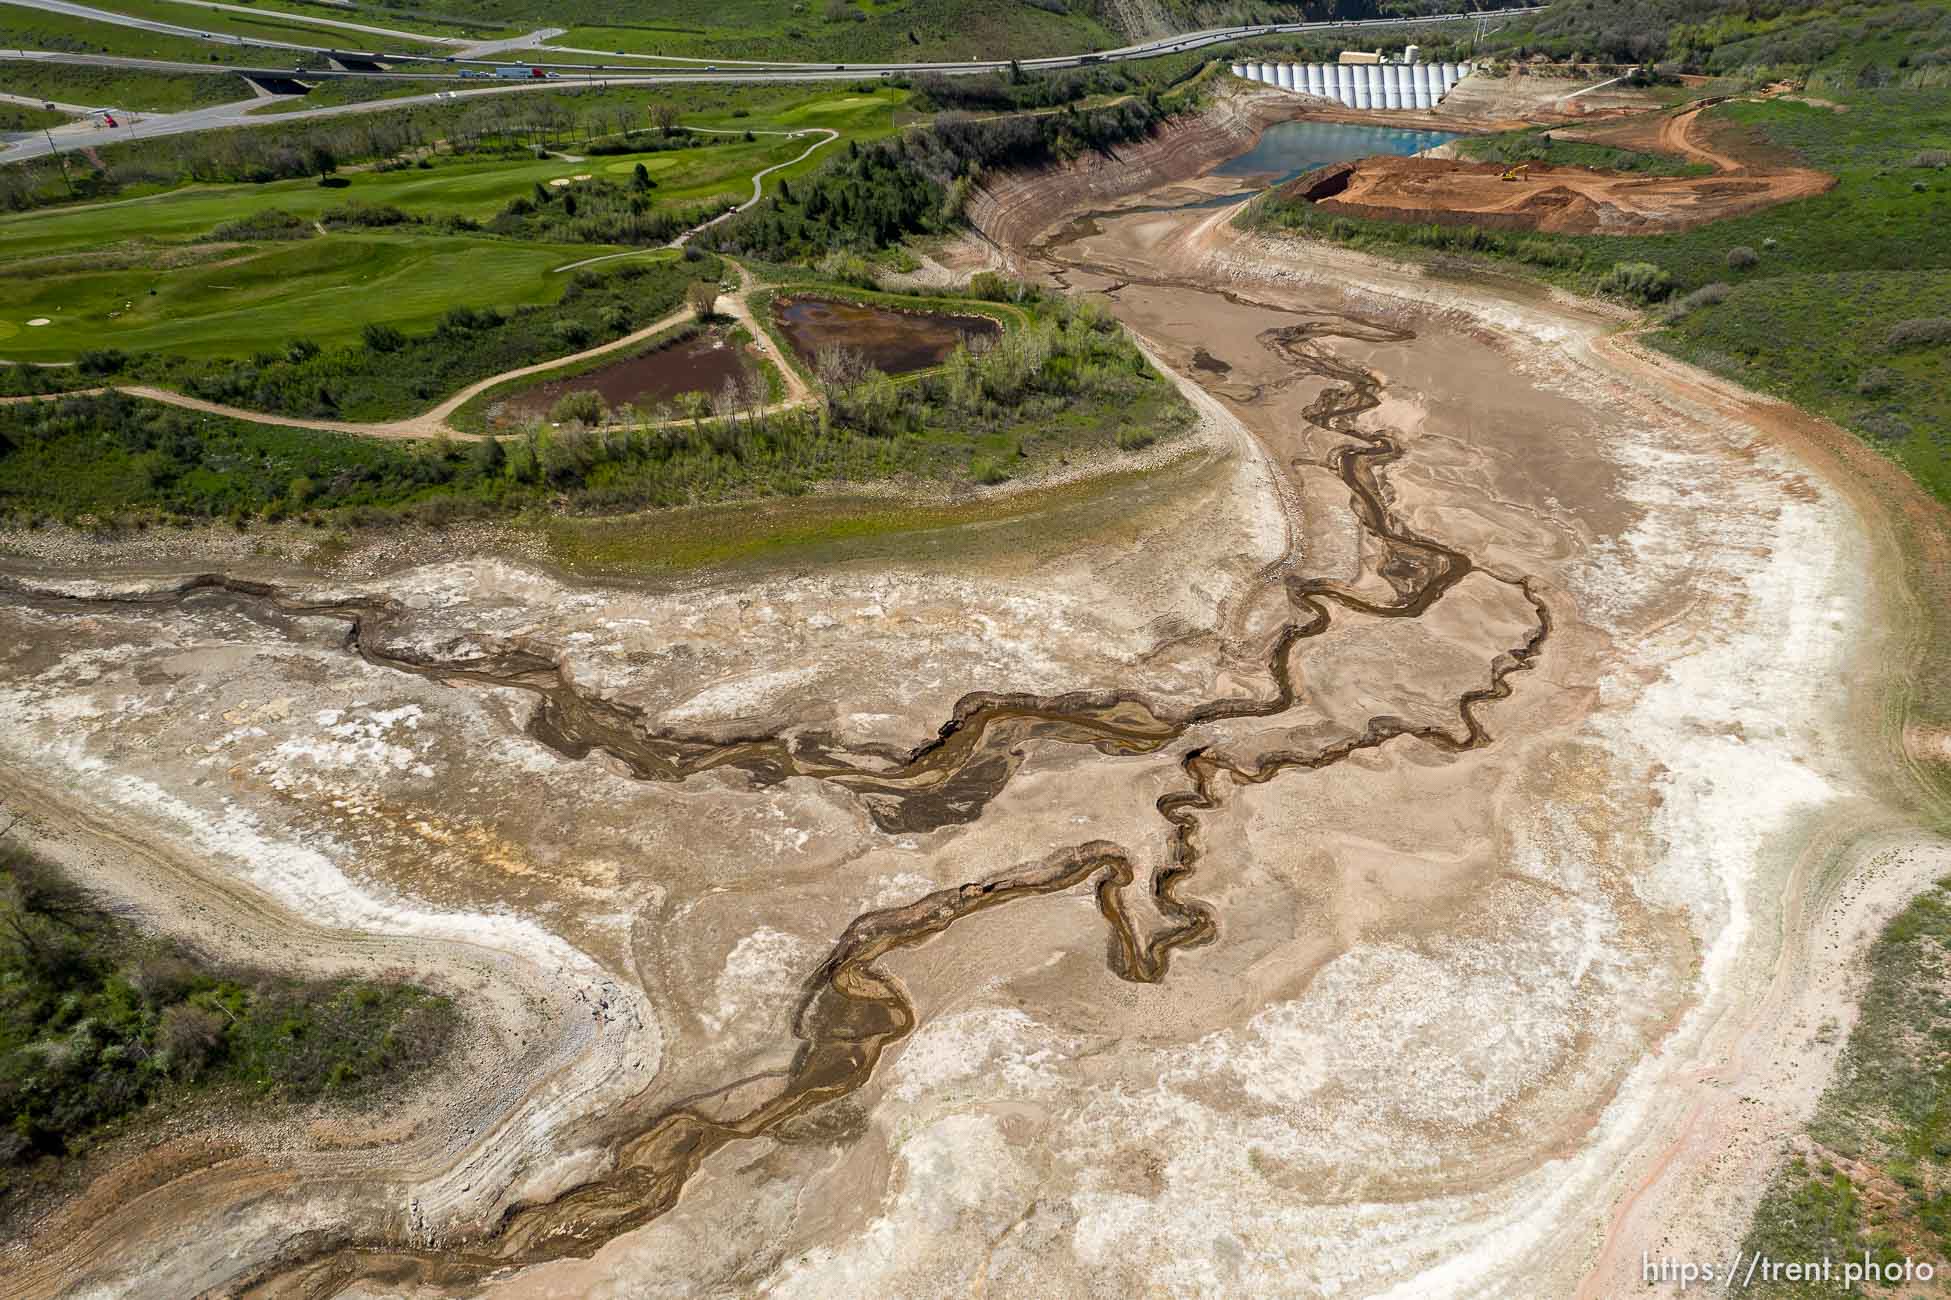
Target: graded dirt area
{"x":1565,"y":200}
{"x":1406,"y":847}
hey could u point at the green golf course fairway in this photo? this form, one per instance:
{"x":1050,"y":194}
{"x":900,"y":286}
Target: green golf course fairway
{"x":322,"y":289}
{"x":150,"y":273}
{"x":232,"y":300}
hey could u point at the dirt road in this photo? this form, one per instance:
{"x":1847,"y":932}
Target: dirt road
{"x":1562,"y":199}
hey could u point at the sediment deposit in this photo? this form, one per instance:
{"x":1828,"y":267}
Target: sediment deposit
{"x":1373,"y":858}
{"x":1561,"y":200}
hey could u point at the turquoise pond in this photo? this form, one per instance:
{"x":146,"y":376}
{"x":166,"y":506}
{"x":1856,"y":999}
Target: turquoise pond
{"x":1289,"y":149}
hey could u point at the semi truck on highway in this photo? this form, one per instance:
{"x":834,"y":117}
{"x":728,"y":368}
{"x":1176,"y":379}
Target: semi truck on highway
{"x":523,"y":74}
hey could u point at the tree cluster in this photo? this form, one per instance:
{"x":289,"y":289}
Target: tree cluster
{"x":916,"y":182}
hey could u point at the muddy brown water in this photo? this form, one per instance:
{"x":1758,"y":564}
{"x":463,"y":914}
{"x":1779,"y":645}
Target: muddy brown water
{"x":894,"y":342}
{"x":696,"y":365}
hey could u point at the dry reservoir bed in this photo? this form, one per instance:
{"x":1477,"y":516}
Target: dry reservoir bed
{"x":1381,"y":861}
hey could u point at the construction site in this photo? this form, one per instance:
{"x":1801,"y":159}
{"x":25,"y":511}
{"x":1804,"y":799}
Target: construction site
{"x":1732,"y":177}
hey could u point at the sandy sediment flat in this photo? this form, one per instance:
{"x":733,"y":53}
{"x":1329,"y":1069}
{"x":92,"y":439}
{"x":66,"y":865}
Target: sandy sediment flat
{"x":1408,"y":847}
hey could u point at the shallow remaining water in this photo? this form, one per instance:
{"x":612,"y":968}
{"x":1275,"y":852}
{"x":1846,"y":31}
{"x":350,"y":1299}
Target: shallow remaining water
{"x":697,"y":365}
{"x":1290,"y":149}
{"x":892,"y":341}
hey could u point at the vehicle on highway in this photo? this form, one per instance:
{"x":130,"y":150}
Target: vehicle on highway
{"x":518,"y":73}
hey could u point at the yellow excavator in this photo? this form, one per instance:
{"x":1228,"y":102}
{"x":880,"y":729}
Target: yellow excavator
{"x":1516,"y":173}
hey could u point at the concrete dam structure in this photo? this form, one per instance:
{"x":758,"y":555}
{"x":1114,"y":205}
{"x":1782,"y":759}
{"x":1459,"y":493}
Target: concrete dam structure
{"x":1362,"y":85}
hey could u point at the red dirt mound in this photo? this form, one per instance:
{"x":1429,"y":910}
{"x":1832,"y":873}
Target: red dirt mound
{"x":1570,"y":200}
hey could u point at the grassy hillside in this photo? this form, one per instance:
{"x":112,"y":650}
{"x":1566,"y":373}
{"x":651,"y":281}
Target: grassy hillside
{"x":23,"y":117}
{"x":33,"y":29}
{"x":841,"y":32}
{"x":1875,"y":1177}
{"x":1729,"y":36}
{"x":102,"y":1025}
{"x":150,"y":92}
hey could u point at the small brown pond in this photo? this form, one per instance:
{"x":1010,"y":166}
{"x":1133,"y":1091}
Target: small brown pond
{"x":697,"y":365}
{"x":892,"y":341}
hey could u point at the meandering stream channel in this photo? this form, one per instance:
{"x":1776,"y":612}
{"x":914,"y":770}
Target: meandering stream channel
{"x":850,"y":1012}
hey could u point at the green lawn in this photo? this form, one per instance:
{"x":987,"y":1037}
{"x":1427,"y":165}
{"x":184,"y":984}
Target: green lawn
{"x":773,"y":29}
{"x":139,"y":274}
{"x":20,"y":117}
{"x":464,"y":188}
{"x":271,"y":26}
{"x":400,"y":17}
{"x":325,"y":289}
{"x":150,"y":92}
{"x":34,"y":29}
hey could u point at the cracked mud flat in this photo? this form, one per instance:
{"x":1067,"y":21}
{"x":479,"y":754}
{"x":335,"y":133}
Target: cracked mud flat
{"x":1378,"y":862}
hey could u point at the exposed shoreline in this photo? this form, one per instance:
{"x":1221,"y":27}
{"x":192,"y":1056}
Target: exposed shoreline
{"x":1729,"y":843}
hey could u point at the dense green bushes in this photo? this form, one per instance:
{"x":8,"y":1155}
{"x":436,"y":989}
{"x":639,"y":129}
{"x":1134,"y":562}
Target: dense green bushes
{"x":98,"y":1021}
{"x":1068,"y":352}
{"x":1920,"y":332}
{"x":272,"y":223}
{"x":1640,"y":282}
{"x":599,"y":211}
{"x":1069,"y":382}
{"x":916,"y":183}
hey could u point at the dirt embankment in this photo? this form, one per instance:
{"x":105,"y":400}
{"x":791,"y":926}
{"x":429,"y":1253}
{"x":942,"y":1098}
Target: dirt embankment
{"x":1564,"y":200}
{"x":1012,"y":207}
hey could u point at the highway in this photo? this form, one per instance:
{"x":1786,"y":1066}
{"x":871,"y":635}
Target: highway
{"x":748,"y":70}
{"x":25,"y":146}
{"x":114,"y":19}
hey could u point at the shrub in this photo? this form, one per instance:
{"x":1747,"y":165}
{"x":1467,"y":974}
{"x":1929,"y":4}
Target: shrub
{"x":1885,"y":425}
{"x":1706,"y":296}
{"x":272,"y":223}
{"x":583,"y":406}
{"x":1641,"y":282}
{"x":1920,"y":332}
{"x":381,"y":338}
{"x":703,"y":297}
{"x":366,"y":215}
{"x":848,"y":268}
{"x":1876,"y":380}
{"x":1741,"y":257}
{"x":993,"y":287}
{"x":102,"y":361}
{"x":189,"y":1037}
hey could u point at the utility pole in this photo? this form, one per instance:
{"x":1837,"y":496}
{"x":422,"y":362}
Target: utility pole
{"x":60,"y":158}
